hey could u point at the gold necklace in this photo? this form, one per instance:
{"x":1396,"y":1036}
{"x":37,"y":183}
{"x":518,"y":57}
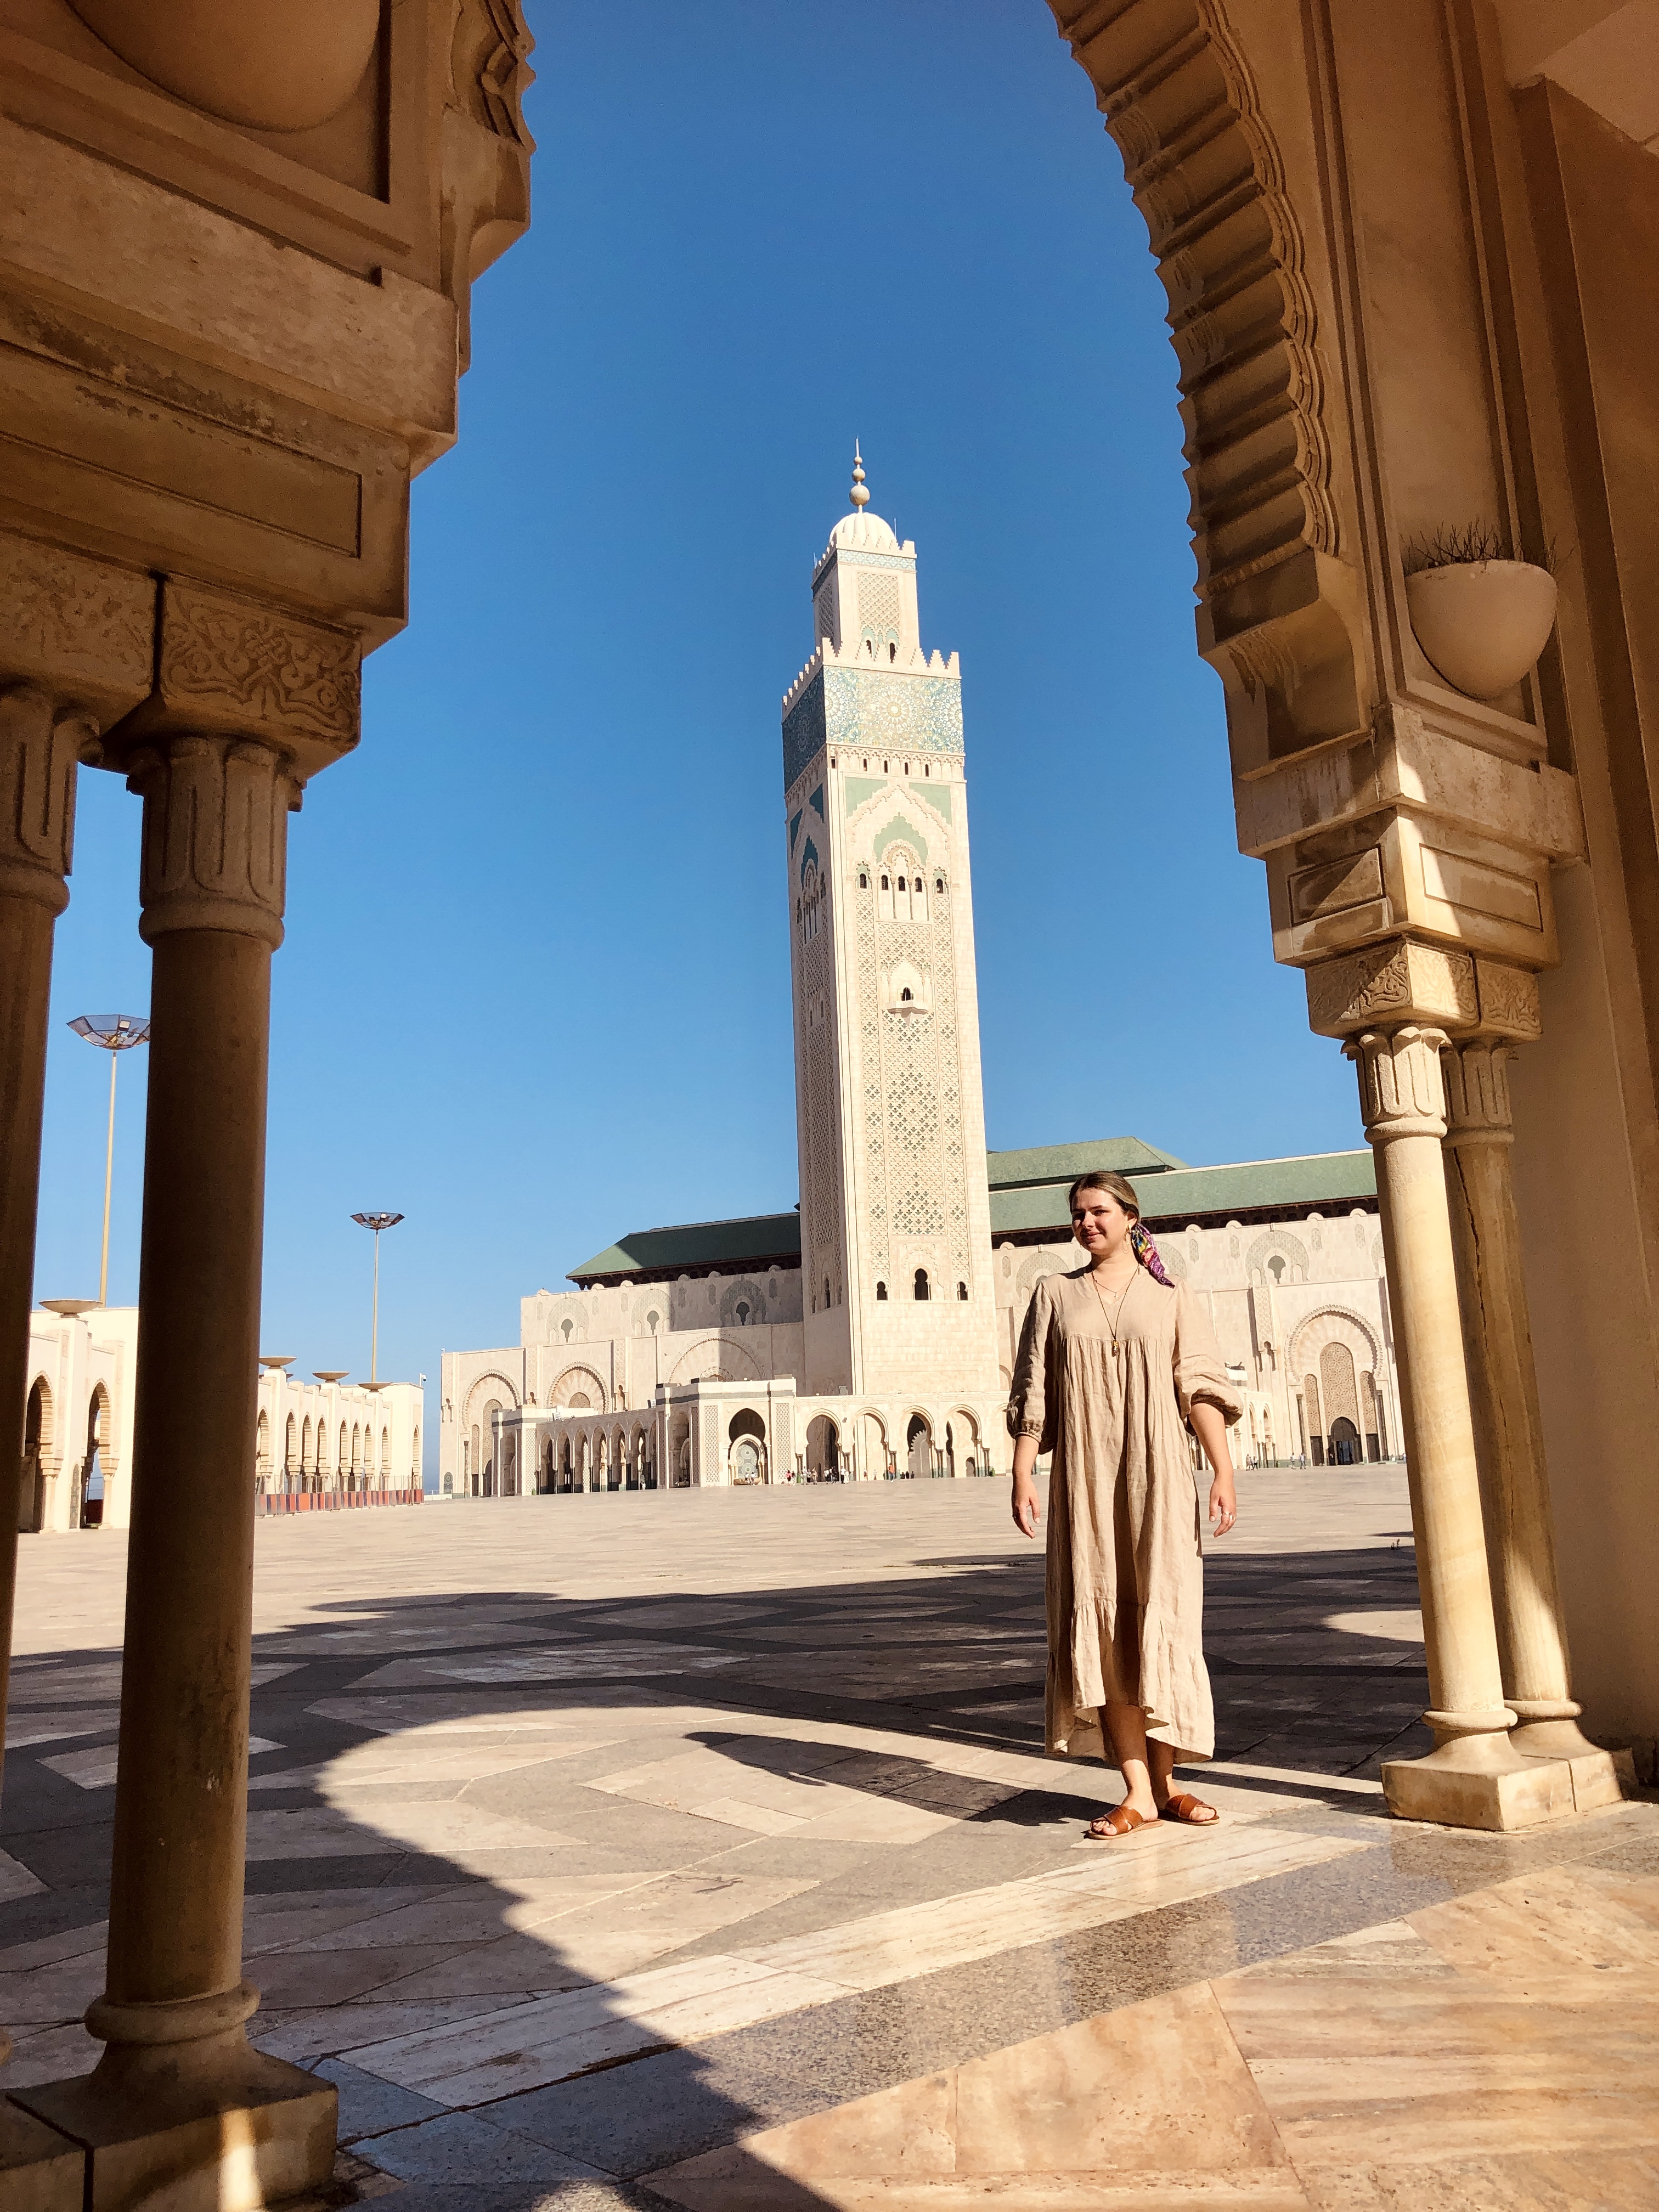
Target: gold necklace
{"x":1113,"y":1319}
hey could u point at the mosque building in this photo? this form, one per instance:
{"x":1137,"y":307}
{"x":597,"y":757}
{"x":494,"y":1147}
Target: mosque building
{"x":870,"y":1332}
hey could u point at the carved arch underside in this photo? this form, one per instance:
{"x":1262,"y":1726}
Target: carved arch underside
{"x":1334,"y":1325}
{"x":716,"y":1359}
{"x":1182,"y":106}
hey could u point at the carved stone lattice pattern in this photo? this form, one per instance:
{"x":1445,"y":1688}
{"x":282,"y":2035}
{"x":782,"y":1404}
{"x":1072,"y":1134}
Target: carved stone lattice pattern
{"x":879,"y":605}
{"x":243,"y":667}
{"x":823,"y":613}
{"x":818,"y":1091}
{"x":916,"y":1098}
{"x":1279,"y":1240}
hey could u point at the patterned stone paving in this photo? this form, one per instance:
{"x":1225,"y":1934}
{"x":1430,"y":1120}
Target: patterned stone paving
{"x":698,"y":1849}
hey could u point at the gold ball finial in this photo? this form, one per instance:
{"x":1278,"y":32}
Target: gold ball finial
{"x":860,"y":496}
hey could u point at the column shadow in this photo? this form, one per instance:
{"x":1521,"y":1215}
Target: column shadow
{"x":525,"y":1985}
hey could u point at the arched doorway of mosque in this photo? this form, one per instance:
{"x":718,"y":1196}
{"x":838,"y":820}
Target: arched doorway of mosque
{"x":919,"y":1441}
{"x":93,"y":1479}
{"x":822,"y":1447}
{"x":1345,"y":1444}
{"x":746,"y":1434}
{"x":37,"y":1442}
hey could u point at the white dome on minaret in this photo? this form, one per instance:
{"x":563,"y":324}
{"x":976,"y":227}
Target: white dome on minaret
{"x":864,"y":533}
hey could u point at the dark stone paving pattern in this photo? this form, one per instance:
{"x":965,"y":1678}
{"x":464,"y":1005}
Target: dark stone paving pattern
{"x":917,"y":1616}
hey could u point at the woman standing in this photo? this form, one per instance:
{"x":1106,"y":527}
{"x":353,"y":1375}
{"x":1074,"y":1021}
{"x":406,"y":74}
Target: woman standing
{"x":1115,"y":1361}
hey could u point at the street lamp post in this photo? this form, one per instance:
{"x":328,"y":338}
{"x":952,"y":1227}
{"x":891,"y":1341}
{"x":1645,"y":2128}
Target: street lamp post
{"x":377,"y":1222}
{"x":116,"y":1033}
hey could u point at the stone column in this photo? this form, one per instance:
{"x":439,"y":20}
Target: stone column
{"x":1473,"y":1778}
{"x":1532,"y":1640}
{"x":182,"y":2107}
{"x":75,"y":653}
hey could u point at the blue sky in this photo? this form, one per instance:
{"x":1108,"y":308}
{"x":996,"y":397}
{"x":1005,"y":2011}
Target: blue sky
{"x":535,"y":990}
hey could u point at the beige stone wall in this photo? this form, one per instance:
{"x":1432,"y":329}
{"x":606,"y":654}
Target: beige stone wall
{"x":1274,"y":1323}
{"x":1586,"y":1114}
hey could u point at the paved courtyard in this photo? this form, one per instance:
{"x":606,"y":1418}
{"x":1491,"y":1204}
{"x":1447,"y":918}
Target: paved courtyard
{"x":698,"y":1851}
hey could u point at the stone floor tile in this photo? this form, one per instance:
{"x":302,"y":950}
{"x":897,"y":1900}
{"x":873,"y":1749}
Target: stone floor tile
{"x":370,"y":2106}
{"x":1158,"y":2086}
{"x":463,"y":2148}
{"x":662,"y":2109}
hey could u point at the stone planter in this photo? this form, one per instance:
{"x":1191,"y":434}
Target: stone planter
{"x":1483,"y":623}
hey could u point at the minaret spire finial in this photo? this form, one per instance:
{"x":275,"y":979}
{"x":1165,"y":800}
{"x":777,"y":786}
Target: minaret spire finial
{"x":861,"y":497}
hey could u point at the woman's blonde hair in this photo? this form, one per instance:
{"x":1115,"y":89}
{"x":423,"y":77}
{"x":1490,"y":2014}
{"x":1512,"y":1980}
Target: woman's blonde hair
{"x":1114,"y":1184}
{"x":1141,"y":1237}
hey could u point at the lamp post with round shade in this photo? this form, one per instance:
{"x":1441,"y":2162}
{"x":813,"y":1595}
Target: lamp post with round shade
{"x":116,"y":1033}
{"x":377,"y":1222}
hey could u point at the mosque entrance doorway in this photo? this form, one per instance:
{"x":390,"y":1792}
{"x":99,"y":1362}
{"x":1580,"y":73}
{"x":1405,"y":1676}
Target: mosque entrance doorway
{"x":823,"y":1450}
{"x":37,"y":1442}
{"x":747,"y":1438}
{"x":1345,"y":1444}
{"x":919,"y":1438}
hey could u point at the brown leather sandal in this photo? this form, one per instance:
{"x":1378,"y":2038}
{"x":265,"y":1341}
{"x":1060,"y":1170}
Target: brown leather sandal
{"x":1185,"y":1808}
{"x":1122,"y":1822}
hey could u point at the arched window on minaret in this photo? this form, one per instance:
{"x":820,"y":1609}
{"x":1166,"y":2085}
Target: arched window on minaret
{"x":922,"y":1289}
{"x":881,"y":1293}
{"x":962,"y":1291}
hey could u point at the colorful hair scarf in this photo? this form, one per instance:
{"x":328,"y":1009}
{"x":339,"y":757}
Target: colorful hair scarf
{"x":1142,"y":1244}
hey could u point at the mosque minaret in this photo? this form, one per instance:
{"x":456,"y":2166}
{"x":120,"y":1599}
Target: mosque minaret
{"x":896,"y":1238}
{"x":868,"y":1333}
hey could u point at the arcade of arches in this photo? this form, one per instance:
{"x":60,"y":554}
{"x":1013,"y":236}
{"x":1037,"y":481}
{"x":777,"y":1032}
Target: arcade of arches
{"x":1407,"y":253}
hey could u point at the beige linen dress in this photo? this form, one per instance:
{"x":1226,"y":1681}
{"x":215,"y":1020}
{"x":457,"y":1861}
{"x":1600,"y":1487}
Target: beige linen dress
{"x":1126,"y":1567}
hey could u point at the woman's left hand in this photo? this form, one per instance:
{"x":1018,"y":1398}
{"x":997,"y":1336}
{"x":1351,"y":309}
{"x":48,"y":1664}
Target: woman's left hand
{"x":1223,"y":1505}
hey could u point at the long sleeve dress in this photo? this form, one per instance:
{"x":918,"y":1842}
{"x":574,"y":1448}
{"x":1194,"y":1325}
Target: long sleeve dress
{"x":1126,"y":1568}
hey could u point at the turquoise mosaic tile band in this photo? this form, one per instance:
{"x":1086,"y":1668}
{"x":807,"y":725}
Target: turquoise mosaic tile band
{"x":871,"y":709}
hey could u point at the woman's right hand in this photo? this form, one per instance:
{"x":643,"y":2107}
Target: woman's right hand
{"x":1027,"y":1508}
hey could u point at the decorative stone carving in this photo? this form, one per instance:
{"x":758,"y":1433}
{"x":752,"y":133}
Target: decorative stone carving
{"x":1400,"y":1090}
{"x":39,"y":752}
{"x":1396,"y":981}
{"x":1509,"y":1000}
{"x":501,"y":46}
{"x":215,"y":837}
{"x":226,"y":663}
{"x":1231,"y":253}
{"x":1476,"y":1083}
{"x":81,"y":628}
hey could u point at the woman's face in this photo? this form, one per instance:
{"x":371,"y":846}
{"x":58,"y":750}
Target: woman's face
{"x":1099,"y":1224}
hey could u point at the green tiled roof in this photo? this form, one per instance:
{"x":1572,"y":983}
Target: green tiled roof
{"x":1239,"y":1192}
{"x":692,"y":1247}
{"x":1062,"y":1163}
{"x":1028,"y":1195}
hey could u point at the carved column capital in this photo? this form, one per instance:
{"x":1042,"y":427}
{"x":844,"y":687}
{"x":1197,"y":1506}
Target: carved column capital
{"x":1478,"y":1092}
{"x":215,"y":835}
{"x":1401,"y":1093}
{"x":40,"y":746}
{"x":75,"y":653}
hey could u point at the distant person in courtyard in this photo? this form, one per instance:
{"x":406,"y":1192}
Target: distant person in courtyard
{"x":1115,"y":1363}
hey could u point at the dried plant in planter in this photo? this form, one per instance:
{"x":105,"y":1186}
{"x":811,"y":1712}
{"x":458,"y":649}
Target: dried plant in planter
{"x":1465,"y":545}
{"x":1481,"y":615}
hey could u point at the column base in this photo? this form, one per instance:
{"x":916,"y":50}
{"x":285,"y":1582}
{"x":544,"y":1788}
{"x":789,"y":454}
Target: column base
{"x":1477,"y":1781}
{"x":41,"y":2171}
{"x":207,"y":2130}
{"x":1598,"y":1776}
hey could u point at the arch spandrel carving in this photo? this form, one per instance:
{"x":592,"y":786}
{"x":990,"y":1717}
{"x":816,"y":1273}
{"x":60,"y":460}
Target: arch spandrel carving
{"x":1230,"y":225}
